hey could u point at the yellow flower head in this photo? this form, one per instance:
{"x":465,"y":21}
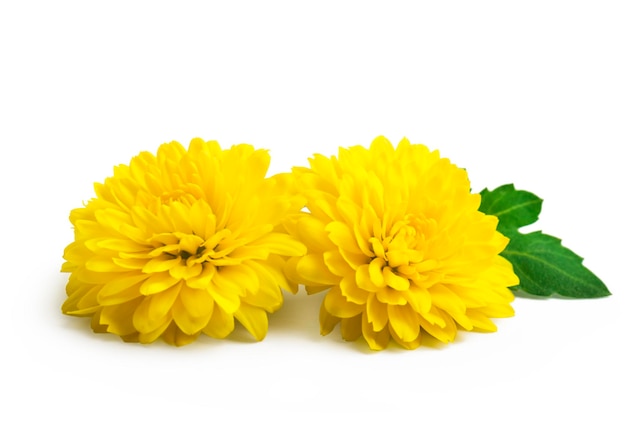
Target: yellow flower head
{"x":397,"y":238}
{"x":181,"y":243}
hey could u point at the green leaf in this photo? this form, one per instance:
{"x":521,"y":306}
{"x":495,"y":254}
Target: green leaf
{"x":543,"y":265}
{"x":546,"y":267}
{"x":513,"y":208}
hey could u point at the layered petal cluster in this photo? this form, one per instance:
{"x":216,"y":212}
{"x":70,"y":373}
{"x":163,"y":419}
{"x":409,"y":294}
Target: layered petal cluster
{"x":395,"y":236}
{"x":183,"y":243}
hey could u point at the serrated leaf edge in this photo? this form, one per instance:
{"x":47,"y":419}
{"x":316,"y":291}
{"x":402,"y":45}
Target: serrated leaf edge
{"x":549,"y":265}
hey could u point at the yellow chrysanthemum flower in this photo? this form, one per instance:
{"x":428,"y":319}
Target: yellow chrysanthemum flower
{"x":181,"y":243}
{"x":397,"y":238}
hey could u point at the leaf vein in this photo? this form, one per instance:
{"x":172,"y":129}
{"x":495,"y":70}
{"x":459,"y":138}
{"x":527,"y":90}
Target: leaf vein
{"x":547,"y":264}
{"x":515,"y":207}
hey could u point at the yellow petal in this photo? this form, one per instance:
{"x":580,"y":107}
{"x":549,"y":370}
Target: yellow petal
{"x":161,"y":303}
{"x":280,"y":243}
{"x":186,"y":271}
{"x":375,"y":269}
{"x":203,"y":280}
{"x":95,"y":277}
{"x":190,"y":243}
{"x":180,"y":217}
{"x":373,"y":194}
{"x":382,"y":147}
{"x":502,"y":310}
{"x":337,"y":305}
{"x":130,"y":264}
{"x":388,"y":295}
{"x":312,"y":269}
{"x":348,"y":209}
{"x":419,"y":299}
{"x":343,"y":237}
{"x":378,"y":248}
{"x":148,"y":337}
{"x":157,"y":283}
{"x":481,"y":321}
{"x":268,"y":296}
{"x":175,"y":336}
{"x":377,"y":313}
{"x":225,"y":298}
{"x":446,"y":299}
{"x":119,"y":318}
{"x":201,"y":219}
{"x":121,"y":289}
{"x":160,"y":264}
{"x":220,"y":325}
{"x":397,"y":258}
{"x":435,"y":316}
{"x":312,"y":231}
{"x":103,"y":264}
{"x":409,"y":345}
{"x":198,"y":303}
{"x":82,"y":299}
{"x":404,"y":321}
{"x":96,"y":326}
{"x":354,"y":260}
{"x":351,"y":328}
{"x":363,"y":279}
{"x":145,"y":324}
{"x":351,"y":291}
{"x":394,"y":281}
{"x":126,"y":245}
{"x":336,"y":264}
{"x":328,"y":321}
{"x":188,"y":324}
{"x":254,"y":319}
{"x":445,"y":332}
{"x":243,"y":274}
{"x":377,"y":340}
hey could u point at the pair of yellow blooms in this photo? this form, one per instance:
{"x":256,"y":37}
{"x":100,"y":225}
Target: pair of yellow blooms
{"x":190,"y":240}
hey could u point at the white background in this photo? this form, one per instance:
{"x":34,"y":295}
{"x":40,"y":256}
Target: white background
{"x":532,"y":93}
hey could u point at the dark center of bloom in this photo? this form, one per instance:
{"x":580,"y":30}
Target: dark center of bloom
{"x":188,"y":255}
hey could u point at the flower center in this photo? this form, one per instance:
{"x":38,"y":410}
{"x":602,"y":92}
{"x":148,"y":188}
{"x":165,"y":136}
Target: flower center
{"x":186,"y":255}
{"x":399,"y":255}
